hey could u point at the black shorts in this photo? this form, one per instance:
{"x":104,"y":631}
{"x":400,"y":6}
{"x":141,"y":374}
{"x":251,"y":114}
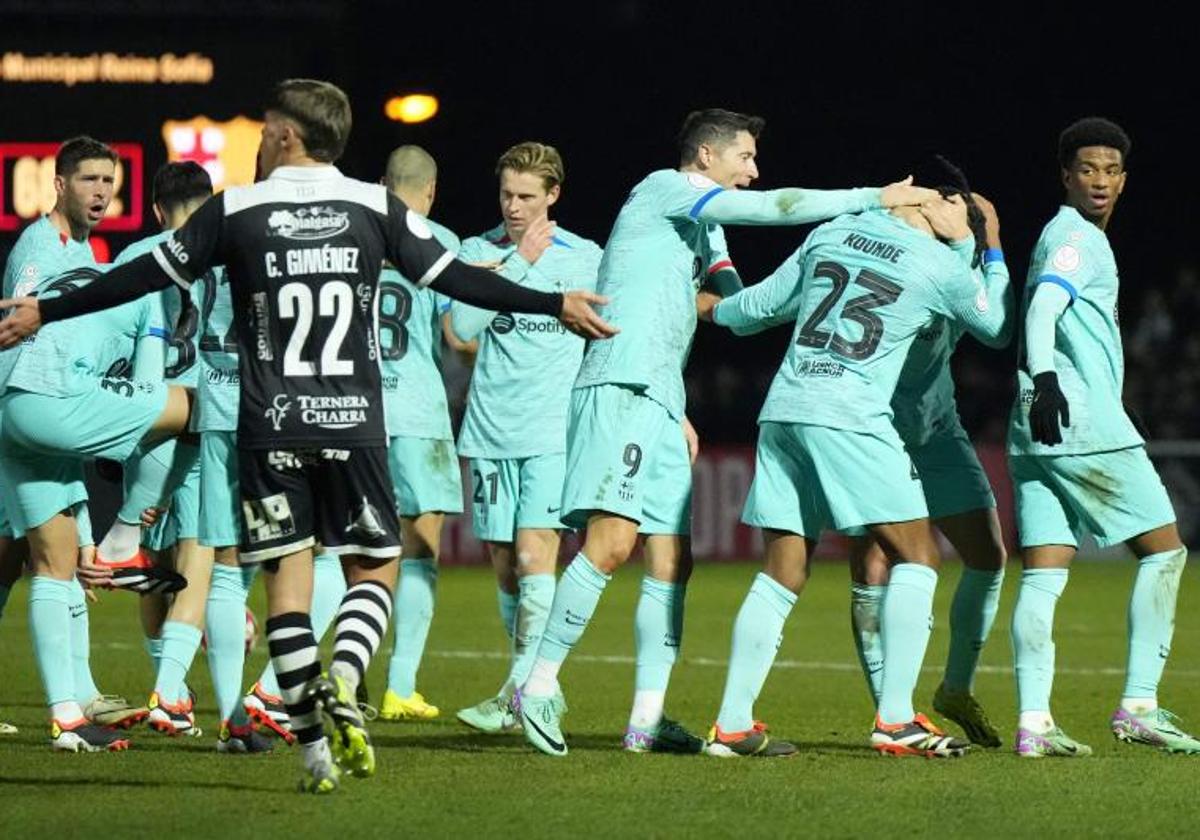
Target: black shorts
{"x":293,"y":499}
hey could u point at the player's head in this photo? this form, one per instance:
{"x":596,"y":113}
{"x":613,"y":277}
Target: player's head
{"x":1093,"y":153}
{"x":531,"y":176}
{"x":304,"y":120}
{"x":411,"y":175}
{"x":179,"y":189}
{"x":85,"y":171}
{"x":722,"y":145}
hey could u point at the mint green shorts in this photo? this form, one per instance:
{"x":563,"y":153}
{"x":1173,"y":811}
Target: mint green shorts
{"x":512,"y":493}
{"x":951,"y":474}
{"x":182,"y":519}
{"x":44,"y":441}
{"x":626,"y":455}
{"x":1115,"y":496}
{"x":220,"y":500}
{"x":809,"y":478}
{"x":425,"y":474}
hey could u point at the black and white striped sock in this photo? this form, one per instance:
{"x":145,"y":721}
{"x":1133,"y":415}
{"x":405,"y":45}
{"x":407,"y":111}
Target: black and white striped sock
{"x":362,"y":621}
{"x":295,"y":657}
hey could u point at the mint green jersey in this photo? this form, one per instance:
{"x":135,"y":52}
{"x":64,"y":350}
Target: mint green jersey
{"x":860,"y":289}
{"x":180,"y":368}
{"x":924,"y":403}
{"x":218,"y":379}
{"x":410,"y":342}
{"x":61,"y":358}
{"x":667,"y":238}
{"x":1073,"y":253}
{"x":521,"y":385}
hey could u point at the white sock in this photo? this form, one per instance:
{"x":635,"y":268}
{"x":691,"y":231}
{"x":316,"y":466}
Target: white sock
{"x":1037,"y":722}
{"x":67,"y":712}
{"x":647,"y":709}
{"x":121,"y":542}
{"x":1139,"y":705}
{"x":347,"y":672}
{"x":543,"y":679}
{"x":316,"y":753}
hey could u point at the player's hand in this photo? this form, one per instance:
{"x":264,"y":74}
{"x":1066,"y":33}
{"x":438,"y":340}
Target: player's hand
{"x":24,"y":319}
{"x":537,"y":239}
{"x":580,"y":318}
{"x":150,"y":516}
{"x":706,"y":302}
{"x":947,"y":217}
{"x":693,"y":440}
{"x":1049,"y":404}
{"x":990,"y":218}
{"x":904,"y":194}
{"x":91,"y":576}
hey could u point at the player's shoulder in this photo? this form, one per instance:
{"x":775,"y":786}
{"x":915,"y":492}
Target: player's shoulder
{"x":494,"y":241}
{"x":448,"y":238}
{"x":1067,"y":226}
{"x":141,"y":246}
{"x":575,"y":242}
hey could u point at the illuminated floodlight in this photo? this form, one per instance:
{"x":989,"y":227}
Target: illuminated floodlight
{"x":413,"y":108}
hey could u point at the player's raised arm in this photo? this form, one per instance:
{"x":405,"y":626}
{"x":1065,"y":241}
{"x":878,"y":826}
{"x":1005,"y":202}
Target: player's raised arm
{"x":411,"y":247}
{"x":774,"y":301}
{"x":797,"y":206}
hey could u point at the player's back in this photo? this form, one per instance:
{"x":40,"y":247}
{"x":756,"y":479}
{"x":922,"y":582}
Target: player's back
{"x":410,"y":340}
{"x":1088,"y":357}
{"x":868,"y":286}
{"x":303,"y":251}
{"x":653,"y":263}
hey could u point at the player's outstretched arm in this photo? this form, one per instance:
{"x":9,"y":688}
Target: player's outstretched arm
{"x":796,"y":206}
{"x":774,"y":301}
{"x":1049,"y":405}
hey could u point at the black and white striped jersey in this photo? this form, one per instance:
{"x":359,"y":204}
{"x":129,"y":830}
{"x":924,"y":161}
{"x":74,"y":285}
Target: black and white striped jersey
{"x":303,"y":251}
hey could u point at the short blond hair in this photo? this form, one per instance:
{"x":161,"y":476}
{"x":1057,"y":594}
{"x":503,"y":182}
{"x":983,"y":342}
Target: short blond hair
{"x":536,"y":158}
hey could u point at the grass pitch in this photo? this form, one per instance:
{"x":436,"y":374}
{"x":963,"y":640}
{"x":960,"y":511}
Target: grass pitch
{"x":437,"y":779}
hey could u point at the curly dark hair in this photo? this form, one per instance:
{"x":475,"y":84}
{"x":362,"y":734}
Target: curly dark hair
{"x":958,"y":185}
{"x":1092,"y":131}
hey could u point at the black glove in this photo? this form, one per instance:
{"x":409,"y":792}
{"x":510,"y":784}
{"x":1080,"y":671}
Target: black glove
{"x":1048,"y":404}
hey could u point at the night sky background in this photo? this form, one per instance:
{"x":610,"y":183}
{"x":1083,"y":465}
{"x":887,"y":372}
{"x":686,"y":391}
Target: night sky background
{"x":853,"y":94}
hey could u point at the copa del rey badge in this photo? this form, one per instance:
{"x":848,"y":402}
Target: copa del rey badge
{"x":226,"y":150}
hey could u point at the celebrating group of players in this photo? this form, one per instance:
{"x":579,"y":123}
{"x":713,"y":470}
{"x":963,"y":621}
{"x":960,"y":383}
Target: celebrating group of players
{"x":265,"y":374}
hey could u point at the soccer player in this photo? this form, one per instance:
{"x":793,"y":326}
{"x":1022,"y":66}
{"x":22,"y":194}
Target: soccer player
{"x":311,"y":439}
{"x":421,"y":457}
{"x":65,"y":399}
{"x":1090,"y":471}
{"x":515,"y":428}
{"x":628,"y":466}
{"x":960,"y":503}
{"x":859,"y":289}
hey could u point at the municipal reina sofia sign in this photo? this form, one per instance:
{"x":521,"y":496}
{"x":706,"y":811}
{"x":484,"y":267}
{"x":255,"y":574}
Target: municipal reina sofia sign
{"x":106,"y":68}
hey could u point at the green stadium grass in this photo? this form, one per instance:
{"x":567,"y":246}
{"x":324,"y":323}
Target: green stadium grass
{"x":437,"y":779}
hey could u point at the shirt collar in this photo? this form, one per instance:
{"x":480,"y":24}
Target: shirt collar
{"x":320,"y":172}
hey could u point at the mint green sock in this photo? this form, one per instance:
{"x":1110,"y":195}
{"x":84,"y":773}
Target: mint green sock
{"x":1152,"y":621}
{"x":180,"y":641}
{"x":757,"y":634}
{"x":413,"y":608}
{"x":81,"y":645}
{"x":153,"y":473}
{"x":153,"y":648}
{"x":50,"y":627}
{"x":866,"y":601}
{"x":225,"y":623}
{"x":507,"y":603}
{"x":658,"y":632}
{"x":1033,"y":636}
{"x":972,"y":614}
{"x":575,"y":600}
{"x":907,"y":618}
{"x":532,"y":613}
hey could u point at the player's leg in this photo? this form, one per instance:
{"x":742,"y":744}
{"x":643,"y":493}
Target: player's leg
{"x":868,"y":583}
{"x":154,"y":468}
{"x":416,"y":593}
{"x":1144,"y":507}
{"x":975,"y":535}
{"x":12,"y":555}
{"x":152,"y":612}
{"x":1048,"y":528}
{"x":181,"y":636}
{"x":784,"y":501}
{"x":610,"y":431}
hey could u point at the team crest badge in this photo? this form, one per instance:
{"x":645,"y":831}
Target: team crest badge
{"x":228,"y":151}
